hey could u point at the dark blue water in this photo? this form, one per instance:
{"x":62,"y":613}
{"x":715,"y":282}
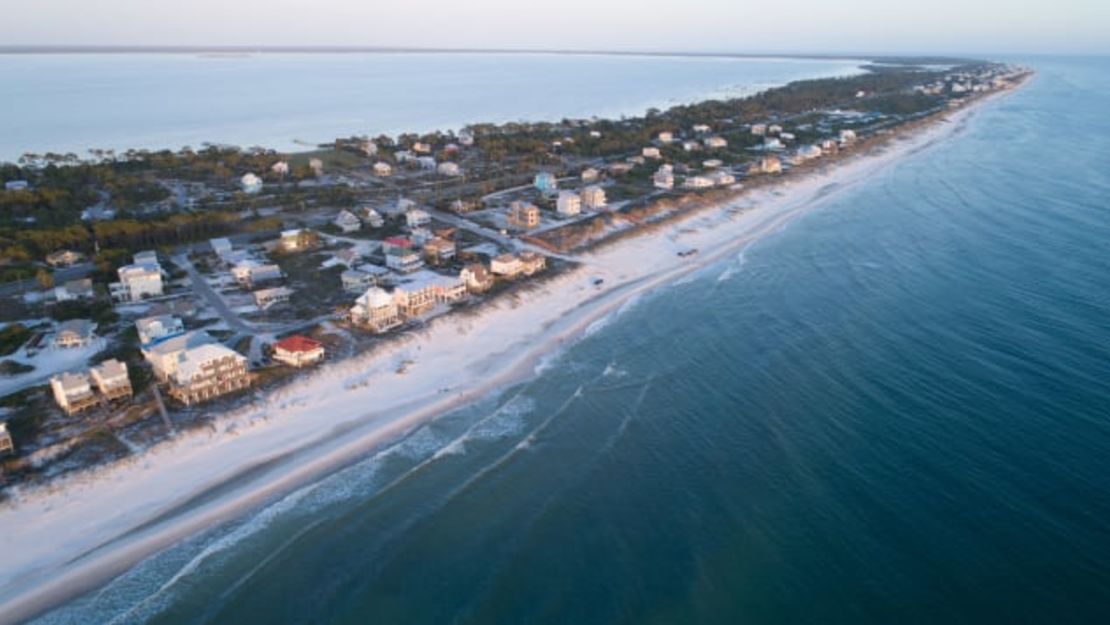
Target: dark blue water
{"x":896,"y":410}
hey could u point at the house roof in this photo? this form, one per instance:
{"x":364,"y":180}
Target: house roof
{"x":71,"y":381}
{"x":109,"y":369}
{"x":298,"y":343}
{"x":80,"y":327}
{"x":375,"y":298}
{"x":192,"y":361}
{"x":180,"y":342}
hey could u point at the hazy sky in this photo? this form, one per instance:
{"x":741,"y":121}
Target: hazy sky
{"x":695,"y":25}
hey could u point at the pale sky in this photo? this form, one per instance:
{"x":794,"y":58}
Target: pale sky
{"x":835,"y":26}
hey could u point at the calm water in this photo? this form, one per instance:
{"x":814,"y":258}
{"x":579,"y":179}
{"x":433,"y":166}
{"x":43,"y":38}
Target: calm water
{"x":896,"y":410}
{"x":76,"y":102}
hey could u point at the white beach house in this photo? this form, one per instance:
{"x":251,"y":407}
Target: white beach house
{"x":250,"y":183}
{"x":593,"y":197}
{"x":347,"y":222}
{"x":569,"y":204}
{"x":158,"y":327}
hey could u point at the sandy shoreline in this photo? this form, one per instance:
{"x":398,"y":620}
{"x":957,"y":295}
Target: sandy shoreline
{"x":61,"y":541}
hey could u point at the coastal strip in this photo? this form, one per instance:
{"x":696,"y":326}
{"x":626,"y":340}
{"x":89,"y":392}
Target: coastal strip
{"x":118,"y":515}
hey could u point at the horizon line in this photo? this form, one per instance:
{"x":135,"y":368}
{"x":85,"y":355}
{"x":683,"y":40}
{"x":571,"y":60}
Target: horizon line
{"x":356,"y":49}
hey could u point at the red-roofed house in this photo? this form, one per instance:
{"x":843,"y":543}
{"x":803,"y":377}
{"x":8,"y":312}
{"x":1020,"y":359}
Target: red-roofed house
{"x":395,"y":243}
{"x":298,"y":351}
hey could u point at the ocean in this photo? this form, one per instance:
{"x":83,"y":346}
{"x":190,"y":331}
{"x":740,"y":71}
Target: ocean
{"x":894,"y":410}
{"x":291,"y":102}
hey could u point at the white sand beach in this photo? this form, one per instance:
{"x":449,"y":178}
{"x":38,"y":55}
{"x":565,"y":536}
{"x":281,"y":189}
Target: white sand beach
{"x":71,"y":537}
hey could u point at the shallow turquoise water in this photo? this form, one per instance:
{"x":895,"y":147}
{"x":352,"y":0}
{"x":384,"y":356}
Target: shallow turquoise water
{"x":73,"y":103}
{"x":896,"y":410}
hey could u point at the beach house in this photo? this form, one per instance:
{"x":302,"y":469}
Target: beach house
{"x":593,"y":197}
{"x":74,"y":333}
{"x":460,"y":206}
{"x":206,"y":372}
{"x":74,"y":290}
{"x":250,"y":274}
{"x":767,"y":165}
{"x":545,"y":182}
{"x":250,"y":183}
{"x":64,"y":258}
{"x":347,"y":222}
{"x":73,"y":392}
{"x":439,"y":251}
{"x":298,"y":351}
{"x":6,"y":444}
{"x":373,"y":218}
{"x":400,"y":255}
{"x":139,"y":280}
{"x":722,"y":178}
{"x":424,"y":290}
{"x":111,"y":379}
{"x":221,"y":247}
{"x":532,"y":263}
{"x":448,"y":169}
{"x":376,"y":311}
{"x":807,"y":153}
{"x":265,"y":298}
{"x":476,"y":277}
{"x":298,"y":240}
{"x":417,"y":217}
{"x":357,"y":280}
{"x":697,"y":182}
{"x":158,"y":327}
{"x":163,"y":355}
{"x":847,"y":137}
{"x":523,"y":215}
{"x":506,"y":266}
{"x":569,"y":204}
{"x":664,"y":177}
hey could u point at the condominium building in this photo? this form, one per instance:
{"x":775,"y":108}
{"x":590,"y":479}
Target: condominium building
{"x":207,"y":372}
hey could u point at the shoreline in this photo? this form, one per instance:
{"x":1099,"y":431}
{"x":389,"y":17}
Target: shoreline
{"x":304,"y":431}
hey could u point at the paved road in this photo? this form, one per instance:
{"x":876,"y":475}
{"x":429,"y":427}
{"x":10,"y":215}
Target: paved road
{"x":205,"y":290}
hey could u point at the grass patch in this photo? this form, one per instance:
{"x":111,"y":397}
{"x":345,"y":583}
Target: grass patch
{"x":13,"y":337}
{"x":11,"y":367}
